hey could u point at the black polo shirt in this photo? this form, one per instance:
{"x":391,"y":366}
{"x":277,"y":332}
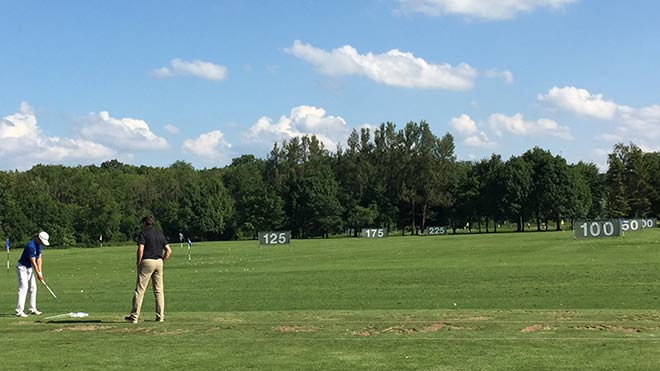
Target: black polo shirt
{"x":154,"y":241}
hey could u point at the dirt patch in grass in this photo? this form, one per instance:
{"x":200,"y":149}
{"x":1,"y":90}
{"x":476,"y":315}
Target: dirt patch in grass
{"x":83,"y":328}
{"x":368,"y":331}
{"x":625,"y":330}
{"x":148,"y":330}
{"x":443,"y":326}
{"x":404,"y":330}
{"x":295,"y":329}
{"x":537,"y":327}
{"x":434,"y":327}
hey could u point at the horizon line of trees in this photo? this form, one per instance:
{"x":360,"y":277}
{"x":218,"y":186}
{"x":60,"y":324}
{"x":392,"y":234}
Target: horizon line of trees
{"x":404,"y":179}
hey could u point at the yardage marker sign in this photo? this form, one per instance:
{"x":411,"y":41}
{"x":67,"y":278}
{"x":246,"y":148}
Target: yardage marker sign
{"x":274,"y":237}
{"x":637,"y":224}
{"x":436,"y":231}
{"x":597,"y":228}
{"x":374,"y":232}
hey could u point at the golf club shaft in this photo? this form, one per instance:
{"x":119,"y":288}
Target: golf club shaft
{"x":49,"y":290}
{"x":57,"y":316}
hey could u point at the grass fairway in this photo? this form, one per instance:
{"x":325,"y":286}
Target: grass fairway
{"x":531,"y":301}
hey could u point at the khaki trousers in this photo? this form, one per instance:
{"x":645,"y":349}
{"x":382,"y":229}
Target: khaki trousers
{"x":149,"y":269}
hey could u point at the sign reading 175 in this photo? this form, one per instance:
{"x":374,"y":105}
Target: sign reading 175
{"x":374,"y":232}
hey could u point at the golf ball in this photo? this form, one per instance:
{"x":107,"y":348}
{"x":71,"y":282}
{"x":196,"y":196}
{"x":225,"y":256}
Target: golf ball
{"x":83,"y":290}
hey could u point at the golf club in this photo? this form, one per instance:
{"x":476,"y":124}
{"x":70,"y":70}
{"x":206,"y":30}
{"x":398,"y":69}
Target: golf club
{"x":72,"y":315}
{"x":51,"y":291}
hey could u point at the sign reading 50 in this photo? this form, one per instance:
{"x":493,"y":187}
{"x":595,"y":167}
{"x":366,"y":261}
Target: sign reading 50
{"x":636,"y":224}
{"x":597,"y":228}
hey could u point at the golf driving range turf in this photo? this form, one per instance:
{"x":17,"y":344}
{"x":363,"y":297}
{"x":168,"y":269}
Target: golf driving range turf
{"x":506,"y":301}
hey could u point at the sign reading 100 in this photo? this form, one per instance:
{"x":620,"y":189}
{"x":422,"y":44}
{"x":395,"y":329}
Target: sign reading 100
{"x":597,"y":228}
{"x":275,"y":238}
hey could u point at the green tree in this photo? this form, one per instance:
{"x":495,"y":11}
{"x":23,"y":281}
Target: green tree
{"x":517,"y":188}
{"x":257,"y":206}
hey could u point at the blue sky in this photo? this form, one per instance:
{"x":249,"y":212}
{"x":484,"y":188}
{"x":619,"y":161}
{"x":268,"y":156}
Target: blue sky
{"x":153,"y":82}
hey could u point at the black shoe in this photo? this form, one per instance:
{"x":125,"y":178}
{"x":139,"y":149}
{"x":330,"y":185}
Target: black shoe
{"x":130,"y":319}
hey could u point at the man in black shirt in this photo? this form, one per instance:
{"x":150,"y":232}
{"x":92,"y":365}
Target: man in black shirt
{"x":152,"y":252}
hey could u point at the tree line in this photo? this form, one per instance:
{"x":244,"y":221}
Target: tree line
{"x":404,"y":179}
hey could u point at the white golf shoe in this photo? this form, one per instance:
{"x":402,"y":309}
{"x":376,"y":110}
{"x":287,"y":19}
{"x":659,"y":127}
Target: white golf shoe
{"x":36,"y":312}
{"x":21,"y":314}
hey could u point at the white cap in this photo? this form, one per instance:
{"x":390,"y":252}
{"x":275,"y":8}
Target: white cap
{"x":43,"y":236}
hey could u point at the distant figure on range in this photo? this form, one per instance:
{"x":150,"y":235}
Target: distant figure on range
{"x":467,"y":228}
{"x":29,"y":270}
{"x":153,"y":250}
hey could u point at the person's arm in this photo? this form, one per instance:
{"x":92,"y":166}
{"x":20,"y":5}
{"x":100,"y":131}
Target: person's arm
{"x":168,"y":252}
{"x":140,"y":252}
{"x":36,"y":267}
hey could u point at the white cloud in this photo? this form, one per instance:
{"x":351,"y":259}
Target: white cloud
{"x":638,"y":125}
{"x":479,"y":140}
{"x":394,"y":68}
{"x":211,"y":145}
{"x":302,"y":120}
{"x":517,"y":125}
{"x":24,"y":145}
{"x":196,"y":68}
{"x":481,"y":9}
{"x":122,"y":133}
{"x":580,"y":101}
{"x":505,"y":75}
{"x":473,"y":137}
{"x":67,"y":149}
{"x":171,"y":129}
{"x":464,"y":125}
{"x":22,"y":124}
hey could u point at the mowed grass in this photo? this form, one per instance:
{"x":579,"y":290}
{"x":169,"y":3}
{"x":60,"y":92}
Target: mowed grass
{"x":530,"y":301}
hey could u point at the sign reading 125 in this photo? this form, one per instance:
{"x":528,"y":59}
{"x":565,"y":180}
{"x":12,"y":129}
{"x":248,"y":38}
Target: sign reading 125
{"x":275,"y":238}
{"x":597,"y":228}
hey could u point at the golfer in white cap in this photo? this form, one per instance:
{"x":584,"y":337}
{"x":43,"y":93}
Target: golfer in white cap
{"x":29,"y":271}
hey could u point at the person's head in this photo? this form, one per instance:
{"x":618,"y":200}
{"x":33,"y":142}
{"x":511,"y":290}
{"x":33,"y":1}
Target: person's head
{"x":43,"y":238}
{"x":148,"y":221}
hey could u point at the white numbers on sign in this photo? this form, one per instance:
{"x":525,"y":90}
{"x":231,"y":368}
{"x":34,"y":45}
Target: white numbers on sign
{"x":371,"y":233}
{"x":630,"y":225}
{"x":636,"y":224}
{"x":436,"y":230}
{"x":594,"y":229}
{"x":274,"y":238}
